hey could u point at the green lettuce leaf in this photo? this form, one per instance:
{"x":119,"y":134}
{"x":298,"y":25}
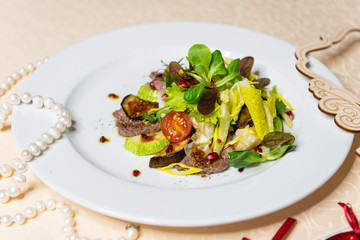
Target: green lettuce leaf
{"x":176,"y":102}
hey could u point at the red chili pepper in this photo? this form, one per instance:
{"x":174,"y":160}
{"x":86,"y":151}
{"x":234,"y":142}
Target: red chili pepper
{"x":284,"y":229}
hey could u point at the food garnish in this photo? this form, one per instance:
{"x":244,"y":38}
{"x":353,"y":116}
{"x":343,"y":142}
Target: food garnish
{"x":213,"y":114}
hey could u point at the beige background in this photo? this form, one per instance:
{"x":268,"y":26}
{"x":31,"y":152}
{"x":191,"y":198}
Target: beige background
{"x":33,"y":29}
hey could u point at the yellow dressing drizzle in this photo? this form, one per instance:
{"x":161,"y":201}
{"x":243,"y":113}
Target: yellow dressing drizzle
{"x":283,"y":99}
{"x":191,"y":170}
{"x":152,"y":110}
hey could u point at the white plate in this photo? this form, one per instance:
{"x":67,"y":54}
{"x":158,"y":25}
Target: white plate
{"x":99,"y":176}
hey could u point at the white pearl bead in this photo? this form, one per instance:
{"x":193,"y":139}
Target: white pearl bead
{"x":18,"y":179}
{"x":132,"y":233}
{"x":50,"y":204}
{"x":46,"y":59}
{"x":34,"y":149}
{"x":6,"y":220}
{"x":47,"y":138}
{"x":40,"y":206}
{"x":72,"y":237}
{"x":38,"y":62}
{"x":69,"y":214}
{"x":5,"y":86}
{"x":4,"y":196}
{"x":19,"y":218}
{"x":26,"y":97}
{"x":13,"y":191}
{"x":30,"y":212}
{"x":22,"y":71}
{"x":59,"y":205}
{"x":16,"y":76}
{"x":3,"y":116}
{"x":14,"y":99}
{"x":54,"y":132}
{"x":26,"y":155}
{"x":68,"y":230}
{"x":65,"y":121}
{"x":10,"y":80}
{"x":65,"y":210}
{"x":69,"y":221}
{"x":5,"y":170}
{"x":21,"y":167}
{"x":7,"y":107}
{"x":42,"y":144}
{"x":65,"y":114}
{"x":14,"y":162}
{"x":38,"y":101}
{"x":48,"y":102}
{"x":61,"y":126}
{"x":30,"y":67}
{"x":57,"y":108}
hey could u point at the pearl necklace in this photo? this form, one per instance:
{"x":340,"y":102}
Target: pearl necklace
{"x":18,"y":166}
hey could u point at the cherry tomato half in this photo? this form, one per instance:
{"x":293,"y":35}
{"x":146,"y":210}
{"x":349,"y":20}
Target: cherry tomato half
{"x":176,"y":126}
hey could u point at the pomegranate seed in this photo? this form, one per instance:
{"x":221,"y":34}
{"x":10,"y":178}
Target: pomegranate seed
{"x":212,"y":156}
{"x":152,"y":83}
{"x":257,"y":149}
{"x":183,"y":84}
{"x":291,"y":115}
{"x":240,"y":169}
{"x":164,"y":96}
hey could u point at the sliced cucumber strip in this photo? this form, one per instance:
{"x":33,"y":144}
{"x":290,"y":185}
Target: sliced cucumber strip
{"x":146,"y":144}
{"x":148,"y":94}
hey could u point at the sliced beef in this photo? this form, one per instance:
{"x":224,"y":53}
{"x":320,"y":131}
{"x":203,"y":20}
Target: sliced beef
{"x":154,"y":75}
{"x":219,"y":165}
{"x":160,"y":85}
{"x":128,"y":127}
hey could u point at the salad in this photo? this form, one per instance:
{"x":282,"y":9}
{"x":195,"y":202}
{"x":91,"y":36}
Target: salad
{"x":207,"y":116}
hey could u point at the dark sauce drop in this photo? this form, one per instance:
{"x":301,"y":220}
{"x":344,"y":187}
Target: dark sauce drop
{"x":113,"y":96}
{"x":146,"y":138}
{"x":103,"y":139}
{"x":136,"y":173}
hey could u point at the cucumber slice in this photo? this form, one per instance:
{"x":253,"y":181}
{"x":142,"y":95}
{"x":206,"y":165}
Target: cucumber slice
{"x":148,"y":94}
{"x":146,"y":144}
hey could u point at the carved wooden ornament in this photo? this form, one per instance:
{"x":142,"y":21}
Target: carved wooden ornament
{"x":332,"y":99}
